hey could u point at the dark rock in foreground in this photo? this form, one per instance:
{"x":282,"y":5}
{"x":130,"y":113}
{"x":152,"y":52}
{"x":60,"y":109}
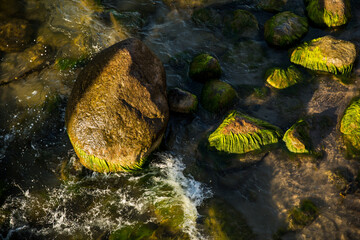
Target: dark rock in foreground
{"x":118,"y":111}
{"x":326,"y":54}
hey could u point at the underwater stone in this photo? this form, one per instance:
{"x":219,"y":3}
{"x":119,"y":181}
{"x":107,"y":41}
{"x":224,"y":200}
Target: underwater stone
{"x":217,"y":96}
{"x":15,"y":35}
{"x":204,"y":67}
{"x":285,"y":28}
{"x":302,"y":215}
{"x":283,"y":78}
{"x":242,"y":23}
{"x":326,"y":54}
{"x":207,"y":16}
{"x":272,"y":5}
{"x":117,"y":112}
{"x":330,"y":13}
{"x":297,"y":138}
{"x":182,"y":101}
{"x":240,"y":133}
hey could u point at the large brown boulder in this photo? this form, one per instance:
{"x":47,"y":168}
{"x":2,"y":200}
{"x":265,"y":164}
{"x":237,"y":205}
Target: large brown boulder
{"x":118,"y":111}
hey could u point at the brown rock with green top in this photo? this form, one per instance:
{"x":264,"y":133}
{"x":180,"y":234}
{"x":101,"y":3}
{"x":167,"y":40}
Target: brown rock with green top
{"x":118,"y":111}
{"x":182,"y":101}
{"x":204,"y":67}
{"x":297,"y":138}
{"x":330,"y":13}
{"x":326,"y":54}
{"x":15,"y":35}
{"x":217,"y":96}
{"x":285,"y":28}
{"x":283,"y":78}
{"x":242,"y":23}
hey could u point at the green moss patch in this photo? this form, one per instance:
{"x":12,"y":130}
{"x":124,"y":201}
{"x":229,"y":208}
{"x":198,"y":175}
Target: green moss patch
{"x":70,"y":63}
{"x":285,"y":28}
{"x":325,"y":54}
{"x":302,"y":215}
{"x":204,"y":67}
{"x":283,"y":78}
{"x":297,"y":138}
{"x":333,"y":14}
{"x":350,"y":122}
{"x":217,"y":96}
{"x":240,"y":133}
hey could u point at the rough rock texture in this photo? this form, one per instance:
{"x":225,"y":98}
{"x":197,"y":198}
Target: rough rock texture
{"x":118,"y":111}
{"x":204,"y":67}
{"x":242,"y":23}
{"x":331,"y":13}
{"x":217,"y":96}
{"x":297,"y":138}
{"x":240,"y":133}
{"x":285,"y":28}
{"x":283,"y":78}
{"x":272,"y":5}
{"x":182,"y":101}
{"x":326,"y":54}
{"x":15,"y":35}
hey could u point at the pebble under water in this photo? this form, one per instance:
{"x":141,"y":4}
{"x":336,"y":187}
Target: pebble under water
{"x":185,"y":188}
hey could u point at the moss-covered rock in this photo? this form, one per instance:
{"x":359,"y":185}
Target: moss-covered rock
{"x":302,"y":215}
{"x":204,"y":67}
{"x":207,"y":16}
{"x":285,"y":28}
{"x":350,"y":127}
{"x":117,"y":111}
{"x":297,"y":138}
{"x":15,"y":34}
{"x":217,"y":96}
{"x":242,"y":23}
{"x":340,"y":177}
{"x":240,"y":133}
{"x":283,"y":78}
{"x":223,"y":222}
{"x":182,"y":101}
{"x":326,"y":54}
{"x":272,"y":5}
{"x":329,"y":13}
{"x":137,"y":232}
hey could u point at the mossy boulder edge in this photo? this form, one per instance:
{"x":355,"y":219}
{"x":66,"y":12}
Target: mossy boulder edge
{"x":326,"y":54}
{"x":240,"y":133}
{"x":204,"y":67}
{"x":117,"y":111}
{"x":297,"y":137}
{"x":350,"y":127}
{"x":283,"y":78}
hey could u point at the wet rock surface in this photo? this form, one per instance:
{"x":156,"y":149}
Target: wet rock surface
{"x":182,"y":101}
{"x":15,"y":34}
{"x":111,"y":129}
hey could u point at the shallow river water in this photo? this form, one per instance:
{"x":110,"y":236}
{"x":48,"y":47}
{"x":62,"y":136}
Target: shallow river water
{"x":45,"y":194}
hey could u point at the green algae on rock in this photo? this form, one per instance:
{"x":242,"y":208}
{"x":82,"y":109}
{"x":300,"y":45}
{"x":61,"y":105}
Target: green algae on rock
{"x":326,"y":54}
{"x":329,"y":13}
{"x":118,"y":111}
{"x":283,"y":78}
{"x":240,"y":133}
{"x":182,"y":101}
{"x":272,"y":5}
{"x":350,"y":122}
{"x":15,"y":34}
{"x":70,"y":63}
{"x":217,"y":96}
{"x":285,"y":28}
{"x":302,"y":215}
{"x":297,"y":138}
{"x":242,"y":23}
{"x":223,"y":222}
{"x":204,"y":67}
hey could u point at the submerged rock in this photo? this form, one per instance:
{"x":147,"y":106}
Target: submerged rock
{"x":204,"y":67}
{"x":283,"y":78}
{"x":217,"y":96}
{"x":272,"y":5}
{"x":297,"y":138}
{"x":326,"y":54}
{"x":330,"y":13}
{"x":240,"y":133}
{"x":302,"y":215}
{"x":182,"y":101}
{"x":208,"y":17}
{"x":223,"y":222}
{"x":242,"y":23}
{"x":285,"y":28}
{"x":118,"y":111}
{"x":15,"y":35}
